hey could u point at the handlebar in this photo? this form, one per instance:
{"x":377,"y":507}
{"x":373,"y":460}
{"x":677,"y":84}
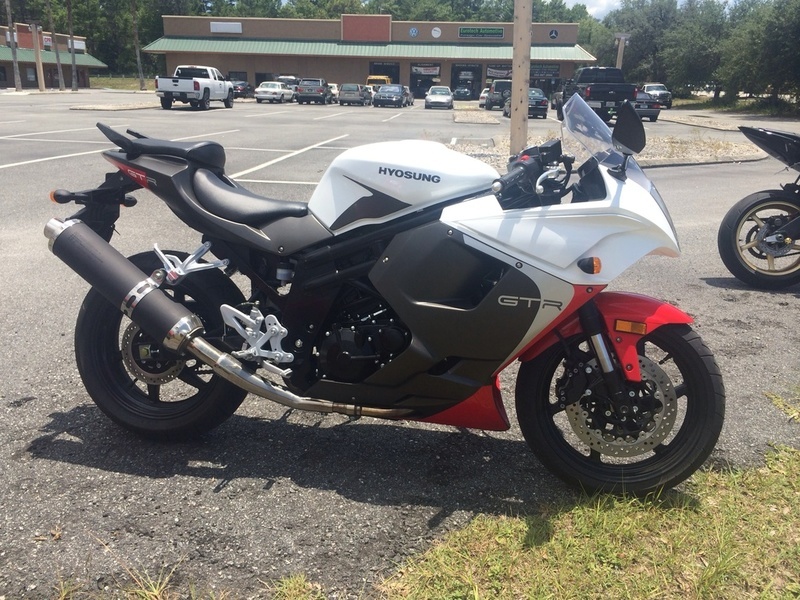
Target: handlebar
{"x":536,"y":176}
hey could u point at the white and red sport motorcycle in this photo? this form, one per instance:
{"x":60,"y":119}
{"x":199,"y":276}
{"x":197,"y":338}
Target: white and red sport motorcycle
{"x":411,"y":279}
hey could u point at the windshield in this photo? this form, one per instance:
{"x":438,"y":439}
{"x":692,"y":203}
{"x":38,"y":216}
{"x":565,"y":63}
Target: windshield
{"x":586,"y":136}
{"x":391,"y":89}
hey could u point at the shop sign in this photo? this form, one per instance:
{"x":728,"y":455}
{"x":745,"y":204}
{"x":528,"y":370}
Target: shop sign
{"x":481,"y":32}
{"x":542,"y":71}
{"x":429,"y":69}
{"x":498,"y":71}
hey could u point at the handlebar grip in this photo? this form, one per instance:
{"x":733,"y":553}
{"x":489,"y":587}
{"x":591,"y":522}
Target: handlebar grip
{"x":505,"y":181}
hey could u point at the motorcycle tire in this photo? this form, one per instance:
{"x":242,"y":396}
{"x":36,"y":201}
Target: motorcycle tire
{"x":165,"y":398}
{"x":742,"y":243}
{"x":682,"y":400}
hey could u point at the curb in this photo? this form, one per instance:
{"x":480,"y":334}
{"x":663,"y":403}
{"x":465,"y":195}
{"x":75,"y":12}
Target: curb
{"x":656,"y":163}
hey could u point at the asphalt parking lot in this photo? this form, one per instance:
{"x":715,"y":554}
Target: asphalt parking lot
{"x":273,"y":493}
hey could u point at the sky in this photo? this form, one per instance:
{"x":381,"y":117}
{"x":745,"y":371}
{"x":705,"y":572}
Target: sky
{"x":597,"y":8}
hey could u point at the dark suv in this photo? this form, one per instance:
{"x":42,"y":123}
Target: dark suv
{"x":499,"y":92}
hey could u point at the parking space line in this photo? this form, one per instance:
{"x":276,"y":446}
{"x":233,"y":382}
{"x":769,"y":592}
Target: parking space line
{"x":73,"y":155}
{"x":392,"y":117}
{"x":269,"y":114}
{"x":290,"y":155}
{"x":16,"y":135}
{"x":277,"y":181}
{"x":328,"y":116}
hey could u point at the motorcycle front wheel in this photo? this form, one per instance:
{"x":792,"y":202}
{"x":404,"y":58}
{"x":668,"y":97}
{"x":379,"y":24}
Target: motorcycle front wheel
{"x":139,"y":385}
{"x":749,"y":247}
{"x":661,"y":433}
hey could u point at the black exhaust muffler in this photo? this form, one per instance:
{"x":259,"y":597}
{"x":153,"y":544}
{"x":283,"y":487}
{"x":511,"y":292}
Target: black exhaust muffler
{"x":122,"y":283}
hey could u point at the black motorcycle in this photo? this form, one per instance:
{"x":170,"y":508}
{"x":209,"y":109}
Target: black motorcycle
{"x":759,"y":238}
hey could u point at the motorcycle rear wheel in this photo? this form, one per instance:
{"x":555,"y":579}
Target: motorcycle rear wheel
{"x":133,"y":382}
{"x":682,"y":391}
{"x":744,"y":247}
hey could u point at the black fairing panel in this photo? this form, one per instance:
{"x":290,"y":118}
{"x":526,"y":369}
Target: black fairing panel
{"x":450,"y":296}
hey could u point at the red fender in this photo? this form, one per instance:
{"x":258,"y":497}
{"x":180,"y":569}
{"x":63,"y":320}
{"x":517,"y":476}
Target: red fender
{"x":614,"y":307}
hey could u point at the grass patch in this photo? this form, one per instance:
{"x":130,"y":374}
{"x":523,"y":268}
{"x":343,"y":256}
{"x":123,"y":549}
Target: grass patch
{"x":774,"y":107}
{"x":103,"y":82}
{"x":729,"y":535}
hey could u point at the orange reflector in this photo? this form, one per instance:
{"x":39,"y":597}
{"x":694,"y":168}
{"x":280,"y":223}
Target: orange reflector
{"x":590,"y":265}
{"x":630,"y":327}
{"x":53,"y":196}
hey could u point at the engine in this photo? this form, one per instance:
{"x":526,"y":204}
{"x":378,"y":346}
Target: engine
{"x":365,"y":335}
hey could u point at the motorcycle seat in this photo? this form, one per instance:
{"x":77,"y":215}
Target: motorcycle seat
{"x":240,"y":205}
{"x":210,"y":154}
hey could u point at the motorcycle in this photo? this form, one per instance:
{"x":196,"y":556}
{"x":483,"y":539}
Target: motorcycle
{"x":758,"y":237}
{"x":410,"y":280}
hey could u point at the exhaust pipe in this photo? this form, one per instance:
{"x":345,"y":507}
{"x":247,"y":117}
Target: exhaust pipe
{"x":138,"y":296}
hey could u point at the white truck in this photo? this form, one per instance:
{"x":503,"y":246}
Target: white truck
{"x":196,"y":85}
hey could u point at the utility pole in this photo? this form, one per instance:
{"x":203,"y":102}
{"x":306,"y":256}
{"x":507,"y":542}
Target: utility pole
{"x":520,"y":75}
{"x":622,"y":41}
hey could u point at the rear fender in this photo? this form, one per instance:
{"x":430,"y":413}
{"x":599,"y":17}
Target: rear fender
{"x":618,"y":308}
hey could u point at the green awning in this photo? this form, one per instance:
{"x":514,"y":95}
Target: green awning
{"x":27,"y":56}
{"x":167,"y":44}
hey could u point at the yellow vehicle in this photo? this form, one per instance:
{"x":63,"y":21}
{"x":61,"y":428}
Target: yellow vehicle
{"x":376,"y":81}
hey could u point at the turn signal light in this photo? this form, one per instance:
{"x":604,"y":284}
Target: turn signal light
{"x":591,"y":265}
{"x":630,"y":327}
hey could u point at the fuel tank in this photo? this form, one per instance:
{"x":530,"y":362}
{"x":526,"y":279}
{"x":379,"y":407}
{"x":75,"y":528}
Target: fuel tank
{"x":376,"y":183}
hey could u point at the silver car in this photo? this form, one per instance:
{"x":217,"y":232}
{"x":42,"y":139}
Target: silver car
{"x":439,"y":96}
{"x":273,"y":91}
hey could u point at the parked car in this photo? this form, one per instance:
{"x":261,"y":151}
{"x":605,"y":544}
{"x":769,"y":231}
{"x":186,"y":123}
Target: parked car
{"x":439,"y":96}
{"x":334,"y":91}
{"x":314,"y":89}
{"x":291,"y":81}
{"x":354,"y":93}
{"x":498,"y":93}
{"x":242,"y":89}
{"x":660,"y":92}
{"x":273,"y":91}
{"x":482,"y":98}
{"x":537,"y":104}
{"x":647,"y":107}
{"x":390,"y":95}
{"x":462,"y":93}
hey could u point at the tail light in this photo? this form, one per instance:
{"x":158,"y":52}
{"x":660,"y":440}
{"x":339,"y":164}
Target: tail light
{"x":587,"y":92}
{"x":196,"y":86}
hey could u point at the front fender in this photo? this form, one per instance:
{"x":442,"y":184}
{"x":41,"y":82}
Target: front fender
{"x":619,"y":309}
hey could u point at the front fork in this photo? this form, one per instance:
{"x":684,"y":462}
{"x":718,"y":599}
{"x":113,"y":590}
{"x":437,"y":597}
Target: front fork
{"x":593,"y":326}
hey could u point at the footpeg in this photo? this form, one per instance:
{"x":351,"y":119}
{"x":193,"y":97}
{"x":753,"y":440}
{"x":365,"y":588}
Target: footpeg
{"x":258,"y":330}
{"x":177,"y":269}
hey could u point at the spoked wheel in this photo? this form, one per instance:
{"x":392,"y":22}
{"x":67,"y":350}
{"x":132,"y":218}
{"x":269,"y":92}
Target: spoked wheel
{"x":143,"y":387}
{"x":750,"y":245}
{"x":657,"y":435}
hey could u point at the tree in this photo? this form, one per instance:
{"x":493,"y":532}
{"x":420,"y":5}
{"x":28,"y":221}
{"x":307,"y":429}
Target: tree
{"x":52,"y":25}
{"x":647,"y":22}
{"x":692,"y":48}
{"x":72,"y":47}
{"x":13,"y":30}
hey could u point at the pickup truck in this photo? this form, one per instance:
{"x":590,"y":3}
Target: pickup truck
{"x":603,"y":88}
{"x":196,"y":85}
{"x":314,"y":89}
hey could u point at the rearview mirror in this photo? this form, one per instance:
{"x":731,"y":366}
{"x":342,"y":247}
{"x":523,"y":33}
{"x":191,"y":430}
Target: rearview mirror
{"x":628,"y":135}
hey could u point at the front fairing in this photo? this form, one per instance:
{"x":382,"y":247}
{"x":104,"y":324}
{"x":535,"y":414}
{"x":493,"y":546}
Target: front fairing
{"x":629,"y":222}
